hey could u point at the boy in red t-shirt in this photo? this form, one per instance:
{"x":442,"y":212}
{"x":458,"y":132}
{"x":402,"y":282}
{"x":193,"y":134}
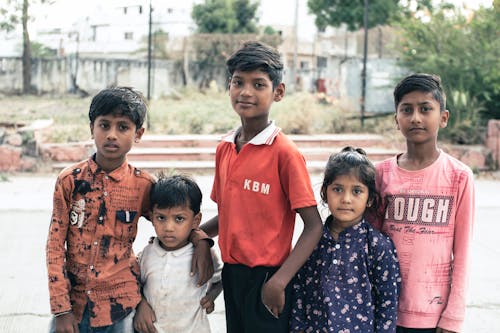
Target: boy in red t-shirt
{"x":261,"y":182}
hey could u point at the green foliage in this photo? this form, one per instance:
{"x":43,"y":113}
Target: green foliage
{"x":38,"y":50}
{"x":351,"y":12}
{"x":225,"y":16}
{"x":466,"y":54}
{"x":212,"y":50}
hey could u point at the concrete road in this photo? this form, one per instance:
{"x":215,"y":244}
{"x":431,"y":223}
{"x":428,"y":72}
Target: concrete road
{"x":25,"y":206}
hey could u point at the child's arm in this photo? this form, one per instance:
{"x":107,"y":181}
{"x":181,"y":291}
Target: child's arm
{"x":386,"y":280}
{"x":144,"y":317}
{"x":454,"y":313}
{"x":59,"y":286}
{"x":207,"y":302}
{"x":202,"y":259}
{"x":273,"y":292}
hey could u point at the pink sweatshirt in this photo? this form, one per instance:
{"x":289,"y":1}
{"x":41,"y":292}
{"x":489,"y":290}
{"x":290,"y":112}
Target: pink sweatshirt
{"x":429,"y":216}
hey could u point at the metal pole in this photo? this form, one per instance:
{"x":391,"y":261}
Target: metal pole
{"x":296,"y":46}
{"x":363,"y":73}
{"x":148,"y":121}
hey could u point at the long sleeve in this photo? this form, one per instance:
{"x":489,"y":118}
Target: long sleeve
{"x":386,"y":280}
{"x":59,"y":285}
{"x":298,"y":320}
{"x":454,"y":313}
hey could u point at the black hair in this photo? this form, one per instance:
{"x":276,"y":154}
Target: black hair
{"x":119,"y":101}
{"x":255,"y":55}
{"x":352,"y":161}
{"x":427,"y":83}
{"x":175,"y":191}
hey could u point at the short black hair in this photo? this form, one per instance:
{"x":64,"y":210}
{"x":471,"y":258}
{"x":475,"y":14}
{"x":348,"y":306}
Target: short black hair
{"x":255,"y":55}
{"x":176,"y":191}
{"x":427,"y":83}
{"x":120,"y":101}
{"x":352,"y":161}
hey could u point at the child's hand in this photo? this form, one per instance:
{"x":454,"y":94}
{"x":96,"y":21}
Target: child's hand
{"x":202,"y":262}
{"x":67,"y":323}
{"x":208,"y":304}
{"x":273,"y":297}
{"x":144,"y":318}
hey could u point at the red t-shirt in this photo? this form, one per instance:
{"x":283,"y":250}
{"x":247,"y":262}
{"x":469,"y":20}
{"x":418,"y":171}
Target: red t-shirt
{"x":257,"y":192}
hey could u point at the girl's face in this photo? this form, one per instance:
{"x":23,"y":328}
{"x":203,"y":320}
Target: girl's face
{"x":347,"y":199}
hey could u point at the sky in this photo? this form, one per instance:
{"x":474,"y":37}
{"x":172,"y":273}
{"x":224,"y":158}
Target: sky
{"x":62,"y":13}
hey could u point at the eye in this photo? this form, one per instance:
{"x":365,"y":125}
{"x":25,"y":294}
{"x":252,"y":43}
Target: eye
{"x":426,"y":108}
{"x":406,"y":110}
{"x":160,"y":218}
{"x":104,"y":125}
{"x":357,"y":191}
{"x":236,"y":83}
{"x":179,"y":219}
{"x":123,"y":127}
{"x":337,"y":189}
{"x":259,"y":85}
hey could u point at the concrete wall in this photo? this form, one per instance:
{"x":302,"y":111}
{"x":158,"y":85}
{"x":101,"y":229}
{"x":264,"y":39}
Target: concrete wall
{"x":342,"y":77}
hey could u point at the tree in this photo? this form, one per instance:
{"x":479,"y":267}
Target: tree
{"x":225,"y":16}
{"x":350,"y":12}
{"x":15,"y":12}
{"x":222,"y":24}
{"x":465,"y":52}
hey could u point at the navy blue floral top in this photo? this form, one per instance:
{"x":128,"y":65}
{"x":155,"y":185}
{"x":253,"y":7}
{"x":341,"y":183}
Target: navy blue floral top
{"x":349,"y":285}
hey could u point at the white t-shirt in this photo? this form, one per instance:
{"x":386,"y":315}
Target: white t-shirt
{"x":171,"y":291}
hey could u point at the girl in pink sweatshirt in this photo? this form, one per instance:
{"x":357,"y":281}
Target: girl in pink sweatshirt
{"x":429,"y":212}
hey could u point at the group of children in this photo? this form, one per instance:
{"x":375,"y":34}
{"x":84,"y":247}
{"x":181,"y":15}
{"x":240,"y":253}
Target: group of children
{"x":392,"y":255}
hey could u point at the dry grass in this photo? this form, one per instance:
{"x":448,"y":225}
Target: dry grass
{"x":189,"y":112}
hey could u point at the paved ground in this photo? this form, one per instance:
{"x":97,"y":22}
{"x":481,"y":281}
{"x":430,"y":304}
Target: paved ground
{"x":25,"y":204}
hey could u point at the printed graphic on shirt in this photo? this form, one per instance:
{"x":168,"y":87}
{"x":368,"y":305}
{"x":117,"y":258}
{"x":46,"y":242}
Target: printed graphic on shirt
{"x":255,"y":186}
{"x":434,"y":210}
{"x":77,"y":213}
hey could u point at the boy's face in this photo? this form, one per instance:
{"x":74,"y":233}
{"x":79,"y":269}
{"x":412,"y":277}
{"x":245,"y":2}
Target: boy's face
{"x":113,"y":136}
{"x":252,"y":94}
{"x":173,"y":225}
{"x":418,"y":117}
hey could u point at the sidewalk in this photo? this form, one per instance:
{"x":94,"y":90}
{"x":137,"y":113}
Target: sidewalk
{"x":25,"y":204}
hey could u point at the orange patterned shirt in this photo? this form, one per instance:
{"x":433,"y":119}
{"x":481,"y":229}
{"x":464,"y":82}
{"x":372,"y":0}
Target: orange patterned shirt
{"x":89,"y":248}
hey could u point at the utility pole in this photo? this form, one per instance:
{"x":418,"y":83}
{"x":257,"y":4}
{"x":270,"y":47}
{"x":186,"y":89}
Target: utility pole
{"x":363,"y":73}
{"x":295,"y":46}
{"x":149,"y":57}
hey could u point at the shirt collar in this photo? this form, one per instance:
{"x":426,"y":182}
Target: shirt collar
{"x":176,"y":253}
{"x":265,"y":137}
{"x":351,"y":232}
{"x":117,"y":174}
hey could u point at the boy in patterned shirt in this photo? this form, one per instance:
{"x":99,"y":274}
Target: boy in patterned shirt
{"x":92,"y":270}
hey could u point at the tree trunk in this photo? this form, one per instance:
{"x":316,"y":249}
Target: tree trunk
{"x":26,"y":51}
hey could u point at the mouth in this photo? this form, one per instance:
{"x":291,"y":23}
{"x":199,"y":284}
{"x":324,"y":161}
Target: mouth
{"x":417,"y":129}
{"x":245,"y":103}
{"x":111,"y":147}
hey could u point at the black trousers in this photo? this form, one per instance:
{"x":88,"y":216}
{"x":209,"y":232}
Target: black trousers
{"x":401,"y":329}
{"x":245,"y":312}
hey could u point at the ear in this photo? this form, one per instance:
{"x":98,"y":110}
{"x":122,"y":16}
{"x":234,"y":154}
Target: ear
{"x":138,"y":134}
{"x":197,"y":220}
{"x":279,"y":92}
{"x":369,"y":203}
{"x":396,"y":120}
{"x":444,"y":116}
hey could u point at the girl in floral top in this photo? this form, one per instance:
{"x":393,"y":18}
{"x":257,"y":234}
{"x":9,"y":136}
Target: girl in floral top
{"x":350,"y":282}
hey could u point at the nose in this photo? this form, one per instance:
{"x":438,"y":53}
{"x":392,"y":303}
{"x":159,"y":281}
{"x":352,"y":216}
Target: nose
{"x":246,"y":90}
{"x":111,"y":135}
{"x":346,"y":198}
{"x":415,"y":117}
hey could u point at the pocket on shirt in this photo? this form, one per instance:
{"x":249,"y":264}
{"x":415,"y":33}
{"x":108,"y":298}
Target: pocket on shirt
{"x":126,"y":224}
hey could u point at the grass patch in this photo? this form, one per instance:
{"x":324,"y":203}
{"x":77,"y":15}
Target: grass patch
{"x":189,"y":112}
